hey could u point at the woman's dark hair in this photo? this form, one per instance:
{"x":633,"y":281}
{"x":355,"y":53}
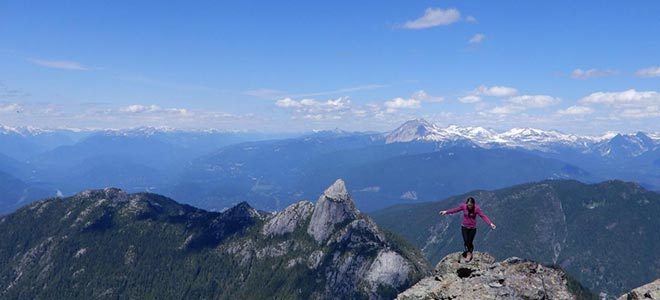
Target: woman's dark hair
{"x":474,"y":204}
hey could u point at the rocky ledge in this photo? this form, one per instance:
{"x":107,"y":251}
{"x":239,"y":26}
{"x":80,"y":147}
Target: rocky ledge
{"x":649,"y":291}
{"x":483,"y":278}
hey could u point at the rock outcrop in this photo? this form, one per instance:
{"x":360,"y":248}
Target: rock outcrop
{"x":333,"y":207}
{"x":483,"y":278}
{"x":345,"y":249}
{"x":289,"y":219}
{"x":650,"y":291}
{"x":389,"y":268}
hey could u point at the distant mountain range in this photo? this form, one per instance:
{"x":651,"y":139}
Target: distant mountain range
{"x":415,"y":162}
{"x":274,"y":173}
{"x":107,"y":244}
{"x":526,"y":138}
{"x":66,"y":161}
{"x":606,"y":234}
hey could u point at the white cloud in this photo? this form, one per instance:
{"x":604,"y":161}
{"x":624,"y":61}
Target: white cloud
{"x":518,"y":103}
{"x":576,"y":110}
{"x":59,"y":64}
{"x":342,"y":109}
{"x":10,"y":107}
{"x":108,"y":116}
{"x":180,"y":111}
{"x":477,"y":38}
{"x":372,"y":110}
{"x":415,"y":101}
{"x":485,"y":91}
{"x":629,"y":104}
{"x":592,"y":73}
{"x":287,"y":102}
{"x":625,"y":98}
{"x":471,"y":19}
{"x":470,"y":99}
{"x":311,"y":109}
{"x":340,"y":103}
{"x":649,"y":72}
{"x":652,"y":111}
{"x":399,"y":103}
{"x":434,"y":17}
{"x":321,"y":117}
{"x":152,"y":109}
{"x":424,"y":97}
{"x":506,"y":109}
{"x":137,"y":108}
{"x":534,"y":100}
{"x":494,"y":91}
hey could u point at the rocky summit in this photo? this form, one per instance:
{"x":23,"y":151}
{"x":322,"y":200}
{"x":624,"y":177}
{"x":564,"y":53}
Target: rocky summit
{"x":649,"y":291}
{"x":333,"y":207}
{"x":484,"y":278}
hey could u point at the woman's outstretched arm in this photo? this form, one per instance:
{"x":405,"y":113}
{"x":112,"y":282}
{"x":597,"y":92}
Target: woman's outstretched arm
{"x":452,"y":211}
{"x":485,"y":218}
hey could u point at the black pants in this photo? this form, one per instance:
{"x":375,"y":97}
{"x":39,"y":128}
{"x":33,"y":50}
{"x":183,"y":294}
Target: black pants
{"x":468,"y":237}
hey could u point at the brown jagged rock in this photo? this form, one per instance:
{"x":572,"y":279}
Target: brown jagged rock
{"x":483,"y":278}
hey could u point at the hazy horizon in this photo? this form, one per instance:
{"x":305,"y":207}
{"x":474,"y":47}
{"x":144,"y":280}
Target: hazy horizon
{"x":165,"y":128}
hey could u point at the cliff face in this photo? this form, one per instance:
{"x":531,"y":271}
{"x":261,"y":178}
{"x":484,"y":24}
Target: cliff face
{"x":107,"y":244}
{"x":484,"y":278}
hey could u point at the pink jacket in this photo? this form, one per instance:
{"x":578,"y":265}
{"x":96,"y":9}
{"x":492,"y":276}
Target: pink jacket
{"x":470,"y":221}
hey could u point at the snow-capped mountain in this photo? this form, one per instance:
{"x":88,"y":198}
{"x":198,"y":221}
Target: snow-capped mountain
{"x":23,"y":131}
{"x":525,"y":138}
{"x":421,"y":130}
{"x":626,"y":145}
{"x":138,"y":131}
{"x":418,"y":129}
{"x":543,"y":140}
{"x":146,"y":131}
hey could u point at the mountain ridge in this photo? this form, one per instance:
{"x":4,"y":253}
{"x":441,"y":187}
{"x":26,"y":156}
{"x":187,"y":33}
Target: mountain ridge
{"x":547,"y":221}
{"x":108,"y":244}
{"x":527,"y":138}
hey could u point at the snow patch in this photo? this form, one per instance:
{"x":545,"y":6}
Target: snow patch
{"x":409,"y":195}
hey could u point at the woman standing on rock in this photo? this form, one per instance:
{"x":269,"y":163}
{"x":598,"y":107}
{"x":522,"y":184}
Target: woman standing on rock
{"x":469,"y":224}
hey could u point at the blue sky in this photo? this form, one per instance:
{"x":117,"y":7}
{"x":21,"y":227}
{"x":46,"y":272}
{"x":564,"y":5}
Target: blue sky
{"x":576,"y":66}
